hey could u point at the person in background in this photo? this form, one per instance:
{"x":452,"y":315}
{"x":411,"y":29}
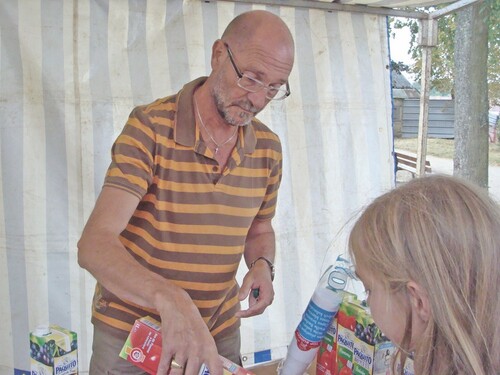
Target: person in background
{"x":428,"y":254}
{"x":493,"y":119}
{"x":191,"y":190}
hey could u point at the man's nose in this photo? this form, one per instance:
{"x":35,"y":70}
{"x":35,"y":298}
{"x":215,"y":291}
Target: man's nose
{"x":258,"y":98}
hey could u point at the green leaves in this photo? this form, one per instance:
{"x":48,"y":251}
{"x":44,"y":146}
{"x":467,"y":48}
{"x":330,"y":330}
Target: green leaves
{"x":442,"y":76}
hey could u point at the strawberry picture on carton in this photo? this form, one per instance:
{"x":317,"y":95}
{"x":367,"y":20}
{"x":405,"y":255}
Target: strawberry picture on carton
{"x":327,"y":353}
{"x":144,"y":344}
{"x":360,"y":342}
{"x":353,"y":344}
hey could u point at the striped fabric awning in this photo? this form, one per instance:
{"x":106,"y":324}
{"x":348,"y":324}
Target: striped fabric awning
{"x":391,"y":3}
{"x":70,"y":73}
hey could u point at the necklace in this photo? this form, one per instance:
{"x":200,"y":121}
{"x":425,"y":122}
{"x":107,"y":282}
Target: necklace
{"x":217,"y":145}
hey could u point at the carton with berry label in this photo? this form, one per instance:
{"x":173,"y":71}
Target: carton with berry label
{"x":369,"y":345}
{"x":53,"y":350}
{"x":144,"y":344}
{"x":354,"y":344}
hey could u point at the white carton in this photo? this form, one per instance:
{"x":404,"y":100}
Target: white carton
{"x":53,"y":351}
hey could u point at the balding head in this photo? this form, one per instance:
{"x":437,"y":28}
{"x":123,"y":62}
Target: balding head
{"x":259,"y":27}
{"x":256,"y":45}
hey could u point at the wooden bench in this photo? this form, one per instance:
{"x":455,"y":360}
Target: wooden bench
{"x":407,"y":161}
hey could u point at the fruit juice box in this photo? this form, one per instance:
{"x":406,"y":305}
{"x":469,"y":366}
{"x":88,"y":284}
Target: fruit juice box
{"x":53,"y":350}
{"x":365,"y":348}
{"x":326,"y":361}
{"x":346,"y":325}
{"x":327,"y":352}
{"x":143,"y":349}
{"x":408,"y":367}
{"x":382,"y":361}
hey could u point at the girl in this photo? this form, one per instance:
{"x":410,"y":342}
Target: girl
{"x":428,"y":254}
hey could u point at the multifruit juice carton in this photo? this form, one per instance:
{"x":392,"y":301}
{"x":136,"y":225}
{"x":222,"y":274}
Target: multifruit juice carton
{"x":346,"y":324}
{"x":361,"y":344}
{"x":326,"y":361}
{"x":53,"y":351}
{"x":143,"y":349}
{"x":327,"y":353}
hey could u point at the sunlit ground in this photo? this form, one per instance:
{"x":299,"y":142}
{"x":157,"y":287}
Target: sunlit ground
{"x":444,"y":148}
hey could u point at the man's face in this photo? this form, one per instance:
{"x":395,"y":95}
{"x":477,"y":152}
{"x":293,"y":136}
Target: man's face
{"x":270,"y":67}
{"x":236,"y":110}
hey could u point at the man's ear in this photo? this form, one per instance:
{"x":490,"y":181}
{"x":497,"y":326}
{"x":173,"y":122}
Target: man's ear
{"x":419,"y":301}
{"x":218,"y":49}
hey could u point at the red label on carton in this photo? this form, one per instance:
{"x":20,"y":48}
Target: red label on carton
{"x":143,"y":349}
{"x":143,"y":345}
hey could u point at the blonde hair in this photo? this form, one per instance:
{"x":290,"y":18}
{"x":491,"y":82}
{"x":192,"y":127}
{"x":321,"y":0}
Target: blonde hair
{"x":444,"y":234}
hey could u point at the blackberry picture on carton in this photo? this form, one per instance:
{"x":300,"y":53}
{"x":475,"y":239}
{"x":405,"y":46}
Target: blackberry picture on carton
{"x":53,"y":350}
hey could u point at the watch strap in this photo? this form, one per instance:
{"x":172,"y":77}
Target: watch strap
{"x":269,"y":263}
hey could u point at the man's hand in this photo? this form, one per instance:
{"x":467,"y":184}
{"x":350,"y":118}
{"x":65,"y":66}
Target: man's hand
{"x":260,"y":242}
{"x":258,"y":279}
{"x":185,"y":337}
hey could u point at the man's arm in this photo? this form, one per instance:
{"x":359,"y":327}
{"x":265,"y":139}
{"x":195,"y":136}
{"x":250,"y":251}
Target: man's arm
{"x":185,"y":334}
{"x":260,"y":242}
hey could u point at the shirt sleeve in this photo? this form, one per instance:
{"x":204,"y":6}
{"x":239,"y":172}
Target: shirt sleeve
{"x":132,"y":155}
{"x":268,"y":207}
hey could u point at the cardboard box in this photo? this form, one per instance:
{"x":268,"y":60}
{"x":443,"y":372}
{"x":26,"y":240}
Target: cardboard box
{"x":143,"y":349}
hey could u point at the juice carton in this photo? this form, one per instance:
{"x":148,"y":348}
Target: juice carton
{"x":408,"y":367}
{"x":382,"y":361}
{"x":362,"y":349}
{"x":326,"y":361}
{"x":53,"y":350}
{"x":143,"y":349}
{"x":346,"y":325}
{"x":327,"y":353}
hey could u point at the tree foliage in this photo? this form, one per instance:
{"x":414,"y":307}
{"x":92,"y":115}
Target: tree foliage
{"x":442,"y":76}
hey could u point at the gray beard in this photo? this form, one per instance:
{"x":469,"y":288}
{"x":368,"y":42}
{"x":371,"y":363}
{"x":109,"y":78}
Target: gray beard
{"x":220,"y":105}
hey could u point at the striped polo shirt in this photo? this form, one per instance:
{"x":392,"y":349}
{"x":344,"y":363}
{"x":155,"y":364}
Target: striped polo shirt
{"x":192,"y":220}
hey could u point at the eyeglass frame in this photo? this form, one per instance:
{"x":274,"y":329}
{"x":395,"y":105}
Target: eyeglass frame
{"x":262,"y":85}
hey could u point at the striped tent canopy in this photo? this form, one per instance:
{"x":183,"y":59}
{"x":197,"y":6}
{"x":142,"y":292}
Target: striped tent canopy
{"x":390,"y":3}
{"x":70,"y":73}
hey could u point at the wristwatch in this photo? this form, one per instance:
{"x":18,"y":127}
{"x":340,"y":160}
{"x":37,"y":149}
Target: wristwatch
{"x":269,"y":263}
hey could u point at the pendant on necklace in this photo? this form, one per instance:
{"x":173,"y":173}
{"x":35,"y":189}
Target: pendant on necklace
{"x":216,"y":150}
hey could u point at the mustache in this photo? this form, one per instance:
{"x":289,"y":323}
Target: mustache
{"x":247,"y":106}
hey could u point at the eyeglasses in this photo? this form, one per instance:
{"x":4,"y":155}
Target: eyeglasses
{"x":273,"y":92}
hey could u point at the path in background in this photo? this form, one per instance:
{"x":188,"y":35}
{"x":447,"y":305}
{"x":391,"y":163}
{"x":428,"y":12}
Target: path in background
{"x":445,"y":166}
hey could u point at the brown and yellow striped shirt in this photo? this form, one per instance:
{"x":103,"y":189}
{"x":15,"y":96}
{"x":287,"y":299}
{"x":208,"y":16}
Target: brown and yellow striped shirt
{"x":191,"y":223}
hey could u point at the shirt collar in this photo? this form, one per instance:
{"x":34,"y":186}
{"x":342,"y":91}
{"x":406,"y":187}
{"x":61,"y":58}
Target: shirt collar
{"x":185,"y":121}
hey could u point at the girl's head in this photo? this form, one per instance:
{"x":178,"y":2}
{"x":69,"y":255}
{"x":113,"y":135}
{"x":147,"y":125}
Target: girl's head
{"x":428,"y":253}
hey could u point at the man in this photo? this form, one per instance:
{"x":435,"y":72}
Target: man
{"x":191,"y":188}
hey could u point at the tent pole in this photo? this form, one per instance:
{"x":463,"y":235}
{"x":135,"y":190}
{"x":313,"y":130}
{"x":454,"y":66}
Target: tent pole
{"x":427,"y":40}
